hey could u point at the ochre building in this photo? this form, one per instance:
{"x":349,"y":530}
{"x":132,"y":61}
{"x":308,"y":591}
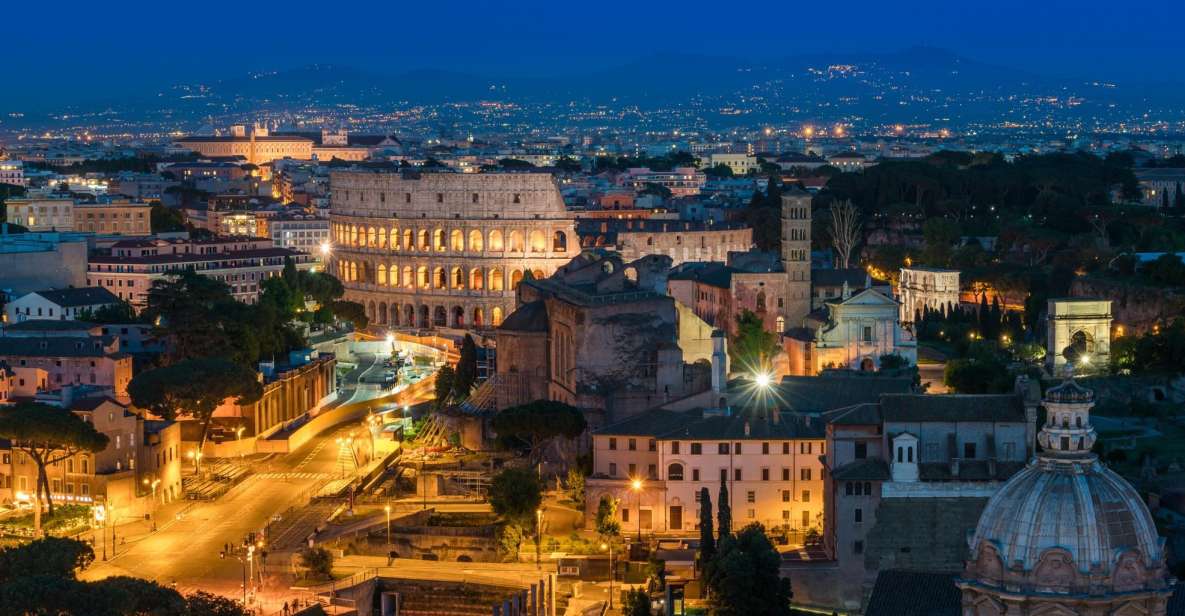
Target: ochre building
{"x":431,"y":250}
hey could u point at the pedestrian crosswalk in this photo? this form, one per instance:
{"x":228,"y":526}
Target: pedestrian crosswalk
{"x":292,"y":475}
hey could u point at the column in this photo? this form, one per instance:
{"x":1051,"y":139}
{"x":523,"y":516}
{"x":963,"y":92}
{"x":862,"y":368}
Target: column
{"x":533,"y":608}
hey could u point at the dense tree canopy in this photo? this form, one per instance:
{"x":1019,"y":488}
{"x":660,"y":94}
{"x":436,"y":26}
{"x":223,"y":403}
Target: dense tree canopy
{"x":752,"y":349}
{"x":539,"y":423}
{"x":515,"y":495}
{"x":743,"y":577}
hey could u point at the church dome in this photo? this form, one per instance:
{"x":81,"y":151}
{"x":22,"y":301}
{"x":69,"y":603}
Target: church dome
{"x":1066,"y":524}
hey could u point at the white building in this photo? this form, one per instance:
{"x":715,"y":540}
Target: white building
{"x":42,"y":214}
{"x":59,"y":305}
{"x":305,"y":233}
{"x":852,"y":332}
{"x":741,"y":164}
{"x":927,"y":287}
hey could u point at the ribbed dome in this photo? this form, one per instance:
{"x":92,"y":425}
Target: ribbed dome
{"x":1078,"y":506}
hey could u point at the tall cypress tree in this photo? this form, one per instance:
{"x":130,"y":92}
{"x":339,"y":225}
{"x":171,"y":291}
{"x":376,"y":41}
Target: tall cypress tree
{"x":723,"y":512}
{"x":466,"y":369}
{"x":707,"y":542}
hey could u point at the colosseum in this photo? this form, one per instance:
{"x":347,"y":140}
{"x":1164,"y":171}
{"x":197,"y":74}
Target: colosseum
{"x":432,"y":250}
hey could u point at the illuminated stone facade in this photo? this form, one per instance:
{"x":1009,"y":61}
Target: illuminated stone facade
{"x":431,"y":250}
{"x":1082,"y":323}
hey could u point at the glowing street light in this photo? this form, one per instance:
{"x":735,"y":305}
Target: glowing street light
{"x":609,"y":546}
{"x":388,"y":510}
{"x":326,"y":249}
{"x":636,"y":486}
{"x":763,"y":380}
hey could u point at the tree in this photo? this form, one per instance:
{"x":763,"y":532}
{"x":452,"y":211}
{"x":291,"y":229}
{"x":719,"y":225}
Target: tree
{"x":707,"y":542}
{"x":608,"y":526}
{"x":48,"y":435}
{"x":515,"y":495}
{"x":46,"y":557}
{"x":940,"y":235}
{"x":652,"y":188}
{"x":753,"y":348}
{"x":744,"y":576}
{"x":539,"y":423}
{"x":317,"y":563}
{"x":443,"y":387}
{"x":977,"y":375}
{"x":129,"y":595}
{"x":844,"y":230}
{"x":166,"y":219}
{"x":719,"y":170}
{"x":893,"y":361}
{"x":723,"y":513}
{"x":568,"y":164}
{"x":635,"y":602}
{"x":353,"y":312}
{"x":194,"y":388}
{"x":121,"y":312}
{"x":466,"y":369}
{"x":202,"y":603}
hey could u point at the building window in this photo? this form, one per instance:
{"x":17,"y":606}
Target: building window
{"x":722,"y":449}
{"x":806,"y":519}
{"x":765,"y":449}
{"x":786,"y":448}
{"x":785,"y":474}
{"x":969,"y":451}
{"x":612,"y":444}
{"x":858,"y":547}
{"x":751,"y":497}
{"x":736,"y":448}
{"x":632,"y":444}
{"x":633,"y":470}
{"x":752,"y":513}
{"x":806,"y":496}
{"x":697,"y":449}
{"x":736,"y":474}
{"x":652,"y":471}
{"x":867,"y":333}
{"x":723,"y":475}
{"x":625,"y":515}
{"x":804,"y":474}
{"x":612,"y":469}
{"x":765,"y":474}
{"x":861,"y":451}
{"x":695,"y":474}
{"x":785,"y":496}
{"x":651,"y":445}
{"x":675,"y":447}
{"x":858,"y":515}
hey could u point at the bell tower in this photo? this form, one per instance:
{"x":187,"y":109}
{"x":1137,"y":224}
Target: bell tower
{"x":796,"y":254}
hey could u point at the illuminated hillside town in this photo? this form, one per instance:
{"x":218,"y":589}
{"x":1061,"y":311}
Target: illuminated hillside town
{"x":796,"y":329}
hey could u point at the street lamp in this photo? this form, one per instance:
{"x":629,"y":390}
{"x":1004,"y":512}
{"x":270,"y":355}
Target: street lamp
{"x":538,"y":535}
{"x":762,"y":379}
{"x":388,"y":510}
{"x":636,"y":486}
{"x":609,"y":546}
{"x":326,"y":249}
{"x":152,"y":485}
{"x":100,"y":515}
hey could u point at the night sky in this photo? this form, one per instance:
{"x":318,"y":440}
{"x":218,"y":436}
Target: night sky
{"x":57,"y":51}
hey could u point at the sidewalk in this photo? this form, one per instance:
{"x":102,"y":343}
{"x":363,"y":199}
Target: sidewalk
{"x":130,"y":530}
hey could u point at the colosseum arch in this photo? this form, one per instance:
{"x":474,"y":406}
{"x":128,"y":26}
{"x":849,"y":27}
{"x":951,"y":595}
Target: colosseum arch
{"x":382,"y":237}
{"x":538,"y":274}
{"x":559,"y":242}
{"x":515,"y":243}
{"x":456,"y":240}
{"x":496,"y":240}
{"x":440,"y":317}
{"x":479,"y":317}
{"x":394,"y":322}
{"x":458,"y":317}
{"x":439,"y":278}
{"x":409,"y":281}
{"x":515,"y":277}
{"x":537,"y":241}
{"x":409,"y":315}
{"x":394,"y":238}
{"x":476,"y":279}
{"x":458,"y":278}
{"x":438,"y":239}
{"x":423,"y":240}
{"x":496,"y":316}
{"x":475,"y":242}
{"x":371,"y":237}
{"x":370,"y":312}
{"x":382,"y":313}
{"x":382,"y":274}
{"x":496,"y":282}
{"x":422,"y":280}
{"x":353,"y":235}
{"x":353,"y":271}
{"x":408,"y":239}
{"x":424,"y":322}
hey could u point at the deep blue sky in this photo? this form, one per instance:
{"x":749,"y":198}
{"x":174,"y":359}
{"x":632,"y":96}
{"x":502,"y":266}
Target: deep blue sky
{"x":62,"y":49}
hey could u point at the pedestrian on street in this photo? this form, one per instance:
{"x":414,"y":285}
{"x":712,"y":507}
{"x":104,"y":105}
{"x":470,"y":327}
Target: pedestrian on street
{"x":285,"y":608}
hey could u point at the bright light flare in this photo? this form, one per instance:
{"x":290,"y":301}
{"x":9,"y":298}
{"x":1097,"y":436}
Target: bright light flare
{"x":763,"y":379}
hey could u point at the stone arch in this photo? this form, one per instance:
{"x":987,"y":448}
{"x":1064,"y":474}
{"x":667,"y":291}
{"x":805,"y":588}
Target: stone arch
{"x":382,"y":274}
{"x":496,"y":242}
{"x":439,"y":278}
{"x":515,"y":242}
{"x":559,"y":241}
{"x":371,"y":237}
{"x":409,"y":280}
{"x":440,"y":317}
{"x":353,"y":271}
{"x":675,"y":471}
{"x":370,"y":312}
{"x":423,"y":240}
{"x":537,"y":241}
{"x":456,"y":240}
{"x":479,"y":317}
{"x":515,"y":278}
{"x":496,"y":282}
{"x":476,"y":244}
{"x":422,"y":279}
{"x":353,"y":235}
{"x":867,"y":365}
{"x":464,"y":558}
{"x":496,"y":316}
{"x":424,"y":318}
{"x":438,"y":239}
{"x":761,"y":301}
{"x":382,"y":313}
{"x":394,"y":322}
{"x":457,"y":317}
{"x":409,"y":239}
{"x":382,"y":237}
{"x":538,"y":274}
{"x":457,"y":278}
{"x":477,"y":279}
{"x":394,"y":238}
{"x":409,"y":315}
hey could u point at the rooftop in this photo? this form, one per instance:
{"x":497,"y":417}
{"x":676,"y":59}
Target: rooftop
{"x":83,"y":296}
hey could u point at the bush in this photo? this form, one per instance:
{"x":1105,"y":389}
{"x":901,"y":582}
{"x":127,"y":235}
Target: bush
{"x":317,"y":563}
